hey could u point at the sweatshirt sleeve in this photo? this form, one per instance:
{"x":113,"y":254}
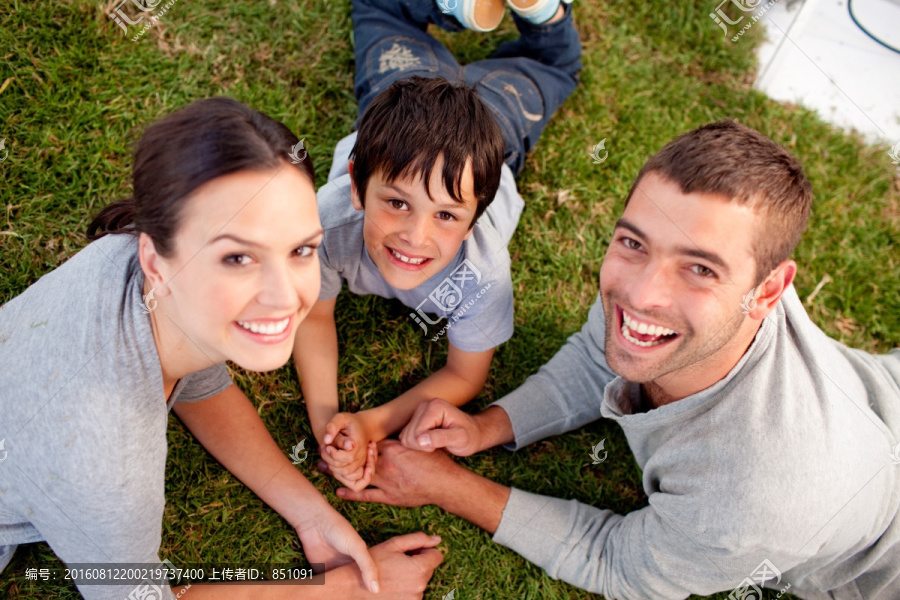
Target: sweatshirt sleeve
{"x":565,"y":393}
{"x":644,"y":554}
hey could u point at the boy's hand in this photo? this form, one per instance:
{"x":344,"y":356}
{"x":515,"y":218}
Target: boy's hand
{"x":358,"y":479}
{"x":439,"y":424}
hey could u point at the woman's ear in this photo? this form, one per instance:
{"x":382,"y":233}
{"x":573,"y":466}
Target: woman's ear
{"x":154,"y":266}
{"x":354,"y":191}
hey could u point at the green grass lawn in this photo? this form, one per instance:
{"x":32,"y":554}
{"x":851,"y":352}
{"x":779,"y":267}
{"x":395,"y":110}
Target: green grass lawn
{"x":75,"y":94}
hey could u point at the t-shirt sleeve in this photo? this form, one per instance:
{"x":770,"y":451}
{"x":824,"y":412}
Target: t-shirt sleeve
{"x":484,"y":319}
{"x":567,"y":392}
{"x":658,"y":551}
{"x":204,"y":384}
{"x":331,"y":278}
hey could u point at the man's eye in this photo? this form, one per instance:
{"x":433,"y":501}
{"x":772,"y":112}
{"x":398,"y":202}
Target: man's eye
{"x":631,"y":244}
{"x":703,"y":271}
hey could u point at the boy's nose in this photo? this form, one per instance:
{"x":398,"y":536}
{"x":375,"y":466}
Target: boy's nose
{"x":416,"y":232}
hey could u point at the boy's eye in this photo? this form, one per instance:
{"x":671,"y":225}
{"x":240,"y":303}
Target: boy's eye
{"x":445,"y":216}
{"x":398,"y":204}
{"x":703,"y":271}
{"x":236,"y":259}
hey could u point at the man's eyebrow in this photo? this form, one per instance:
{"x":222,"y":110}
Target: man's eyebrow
{"x":405,"y":193}
{"x":682,"y":250}
{"x":252,"y":244}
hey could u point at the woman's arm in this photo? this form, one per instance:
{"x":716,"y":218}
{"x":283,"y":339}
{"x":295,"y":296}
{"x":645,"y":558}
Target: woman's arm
{"x":228,"y":425}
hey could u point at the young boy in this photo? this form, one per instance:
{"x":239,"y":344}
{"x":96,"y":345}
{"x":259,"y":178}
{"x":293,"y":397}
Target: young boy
{"x":426,"y":204}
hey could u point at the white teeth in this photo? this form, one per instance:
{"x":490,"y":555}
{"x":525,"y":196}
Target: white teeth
{"x":629,"y":325}
{"x":266,"y":328}
{"x":406,"y":259}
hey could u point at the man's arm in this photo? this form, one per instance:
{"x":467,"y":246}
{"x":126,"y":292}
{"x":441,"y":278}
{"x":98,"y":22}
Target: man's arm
{"x":659,"y":551}
{"x":563,"y":395}
{"x":567,"y":392}
{"x":316,"y":359}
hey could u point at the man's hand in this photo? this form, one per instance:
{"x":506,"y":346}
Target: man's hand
{"x":406,"y":563}
{"x":411,"y":478}
{"x":407,"y":477}
{"x":348,"y":451}
{"x":439,"y":424}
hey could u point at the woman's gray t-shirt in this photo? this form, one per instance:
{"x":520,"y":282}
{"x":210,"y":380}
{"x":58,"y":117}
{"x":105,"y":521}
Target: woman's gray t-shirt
{"x":83,"y":414}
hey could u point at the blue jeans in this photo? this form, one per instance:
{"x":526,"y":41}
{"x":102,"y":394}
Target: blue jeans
{"x":523,"y":83}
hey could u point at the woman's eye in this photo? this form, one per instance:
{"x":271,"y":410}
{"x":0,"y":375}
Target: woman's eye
{"x":236,"y":259}
{"x":304,"y":251}
{"x":703,"y":271}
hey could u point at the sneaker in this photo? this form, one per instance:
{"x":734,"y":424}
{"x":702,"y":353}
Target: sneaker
{"x":536,"y":11}
{"x":478,"y":15}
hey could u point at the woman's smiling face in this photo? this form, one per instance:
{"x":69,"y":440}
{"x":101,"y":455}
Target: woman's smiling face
{"x":245,"y":271}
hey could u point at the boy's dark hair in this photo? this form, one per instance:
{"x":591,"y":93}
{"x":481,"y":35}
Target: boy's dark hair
{"x":746,"y":167}
{"x":413,"y":122}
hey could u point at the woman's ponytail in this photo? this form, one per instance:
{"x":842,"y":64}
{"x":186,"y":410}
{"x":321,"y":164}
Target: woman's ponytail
{"x":118,"y":217}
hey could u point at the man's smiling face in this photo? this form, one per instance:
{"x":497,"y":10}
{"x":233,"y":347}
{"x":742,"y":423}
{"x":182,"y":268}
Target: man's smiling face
{"x":410,"y":235}
{"x":672,"y":283}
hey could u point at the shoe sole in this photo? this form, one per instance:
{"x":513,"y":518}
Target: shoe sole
{"x":487,"y":14}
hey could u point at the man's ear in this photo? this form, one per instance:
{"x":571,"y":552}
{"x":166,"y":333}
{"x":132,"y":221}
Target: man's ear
{"x":153,"y":265}
{"x":769,"y":292}
{"x":354,"y":191}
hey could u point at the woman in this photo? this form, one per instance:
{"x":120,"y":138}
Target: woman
{"x":213,"y":259}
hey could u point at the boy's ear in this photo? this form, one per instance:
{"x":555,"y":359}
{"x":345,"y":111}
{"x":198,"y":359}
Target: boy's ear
{"x":354,"y":191}
{"x":153,"y":265}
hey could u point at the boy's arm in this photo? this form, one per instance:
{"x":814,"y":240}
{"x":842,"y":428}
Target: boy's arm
{"x":316,"y":359}
{"x":457,"y":382}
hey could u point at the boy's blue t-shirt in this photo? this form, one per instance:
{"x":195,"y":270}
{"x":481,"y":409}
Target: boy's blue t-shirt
{"x":470,"y":300}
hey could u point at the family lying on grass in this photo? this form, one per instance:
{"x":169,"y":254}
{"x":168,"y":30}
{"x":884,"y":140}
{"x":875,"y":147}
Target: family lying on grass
{"x":762,"y":442}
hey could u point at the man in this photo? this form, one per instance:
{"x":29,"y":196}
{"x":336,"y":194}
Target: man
{"x":765,"y":445}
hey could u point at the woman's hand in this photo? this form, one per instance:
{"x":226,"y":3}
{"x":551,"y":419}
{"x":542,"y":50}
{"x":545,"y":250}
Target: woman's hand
{"x":328,"y":538}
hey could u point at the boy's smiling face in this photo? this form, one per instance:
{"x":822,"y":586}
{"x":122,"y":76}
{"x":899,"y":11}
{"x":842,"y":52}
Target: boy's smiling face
{"x":410,"y":235}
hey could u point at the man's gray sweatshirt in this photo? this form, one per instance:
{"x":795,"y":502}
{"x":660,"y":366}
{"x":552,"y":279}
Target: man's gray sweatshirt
{"x":788,"y":459}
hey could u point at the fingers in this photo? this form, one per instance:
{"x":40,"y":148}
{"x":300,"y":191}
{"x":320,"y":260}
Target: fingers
{"x":342,"y":441}
{"x":344,"y":458}
{"x":367,"y":565}
{"x":369,"y":470}
{"x":443,"y":438}
{"x":365,"y":495}
{"x":354,"y":481}
{"x":414,"y":541}
{"x":429,"y":559}
{"x":338,"y":422}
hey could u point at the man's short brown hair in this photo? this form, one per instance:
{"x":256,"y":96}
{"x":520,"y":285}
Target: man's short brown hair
{"x":744,"y":166}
